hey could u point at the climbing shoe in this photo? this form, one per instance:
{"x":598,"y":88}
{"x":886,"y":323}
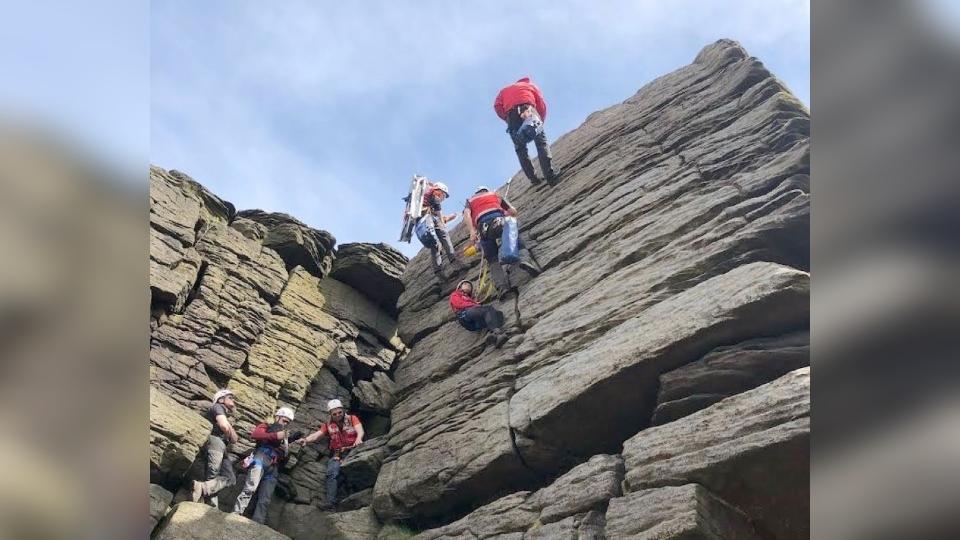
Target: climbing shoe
{"x":554,"y":178}
{"x":499,"y":338}
{"x":196,"y":492}
{"x":505,"y":293}
{"x":326,"y":505}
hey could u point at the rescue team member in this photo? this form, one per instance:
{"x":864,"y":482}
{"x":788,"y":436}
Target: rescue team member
{"x":435,"y":225}
{"x":514,"y":105}
{"x":219,"y":469}
{"x":344,"y":432}
{"x":483,"y":214}
{"x":263,"y":463}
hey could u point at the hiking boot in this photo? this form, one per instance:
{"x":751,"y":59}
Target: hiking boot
{"x":197,"y":492}
{"x":554,"y":177}
{"x":505,"y":293}
{"x":326,"y":505}
{"x":530,"y":268}
{"x":534,"y":181}
{"x":500,"y":338}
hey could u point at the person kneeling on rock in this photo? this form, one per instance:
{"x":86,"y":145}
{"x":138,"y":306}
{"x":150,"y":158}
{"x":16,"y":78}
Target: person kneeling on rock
{"x":262,"y":464}
{"x":345,"y":432}
{"x":474,"y":316}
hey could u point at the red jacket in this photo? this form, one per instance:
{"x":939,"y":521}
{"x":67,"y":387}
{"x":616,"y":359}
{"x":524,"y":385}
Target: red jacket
{"x":268,"y":439}
{"x":518,"y":93}
{"x":460,"y":300}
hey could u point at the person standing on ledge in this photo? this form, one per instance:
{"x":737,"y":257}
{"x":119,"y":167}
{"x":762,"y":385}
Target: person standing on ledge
{"x":522,"y":107}
{"x":219,"y":469}
{"x":345,"y":432}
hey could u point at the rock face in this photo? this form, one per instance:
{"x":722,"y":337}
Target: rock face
{"x":752,"y":450}
{"x":159,"y":503}
{"x":197,"y":521}
{"x":372,"y":267}
{"x":680,"y":226}
{"x":176,"y":435}
{"x":306,"y":522}
{"x":675,"y":513}
{"x":244,"y":301}
{"x":653,"y":384}
{"x":726,"y":371}
{"x":296,"y":243}
{"x":574,"y":500}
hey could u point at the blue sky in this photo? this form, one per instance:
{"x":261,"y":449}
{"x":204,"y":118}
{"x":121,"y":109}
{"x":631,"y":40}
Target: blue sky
{"x":324,"y":110}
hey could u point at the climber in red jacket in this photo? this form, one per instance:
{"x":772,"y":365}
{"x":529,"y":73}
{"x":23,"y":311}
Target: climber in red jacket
{"x":522,"y":107}
{"x":475,"y":316}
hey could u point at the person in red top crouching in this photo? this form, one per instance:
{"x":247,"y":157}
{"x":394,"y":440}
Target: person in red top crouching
{"x":474,"y":316}
{"x":345,"y":432}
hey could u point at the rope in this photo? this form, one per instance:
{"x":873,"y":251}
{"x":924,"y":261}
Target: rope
{"x":485,"y":287}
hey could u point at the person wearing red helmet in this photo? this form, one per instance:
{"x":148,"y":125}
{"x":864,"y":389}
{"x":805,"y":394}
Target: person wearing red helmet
{"x":522,"y":107}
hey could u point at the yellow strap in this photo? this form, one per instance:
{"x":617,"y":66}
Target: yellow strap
{"x":485,"y":287}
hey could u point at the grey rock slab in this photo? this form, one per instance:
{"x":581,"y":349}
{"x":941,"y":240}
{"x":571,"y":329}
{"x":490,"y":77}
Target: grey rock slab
{"x":729,"y":370}
{"x":198,"y":521}
{"x":376,"y":395}
{"x":159,"y":503}
{"x":374,"y":270}
{"x":354,"y":525}
{"x":176,"y":435}
{"x":684,"y":512}
{"x":572,"y":506}
{"x":362,"y":465}
{"x":297,"y":243}
{"x":614,"y":378}
{"x":752,"y":450}
{"x":346,"y":303}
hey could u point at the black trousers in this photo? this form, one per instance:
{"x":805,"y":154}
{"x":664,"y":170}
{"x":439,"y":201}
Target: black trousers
{"x":543,"y":149}
{"x":480,"y":317}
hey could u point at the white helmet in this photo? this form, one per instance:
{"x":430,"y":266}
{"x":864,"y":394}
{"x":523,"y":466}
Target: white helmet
{"x":334,"y":404}
{"x":482,"y":188}
{"x":442,"y":187}
{"x":221,"y":394}
{"x":285,"y":412}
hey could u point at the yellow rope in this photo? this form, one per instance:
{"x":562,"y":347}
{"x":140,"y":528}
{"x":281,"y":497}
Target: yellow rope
{"x":485,"y":287}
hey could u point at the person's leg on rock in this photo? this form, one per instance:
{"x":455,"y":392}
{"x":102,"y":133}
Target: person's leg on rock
{"x":254,"y":474}
{"x":217,"y":475}
{"x":264,"y":494}
{"x":443,"y":238}
{"x":527,"y":262}
{"x":513,"y":124}
{"x":550,"y":174}
{"x":333,"y":474}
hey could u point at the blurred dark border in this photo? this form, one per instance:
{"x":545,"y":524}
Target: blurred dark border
{"x":886,"y":416}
